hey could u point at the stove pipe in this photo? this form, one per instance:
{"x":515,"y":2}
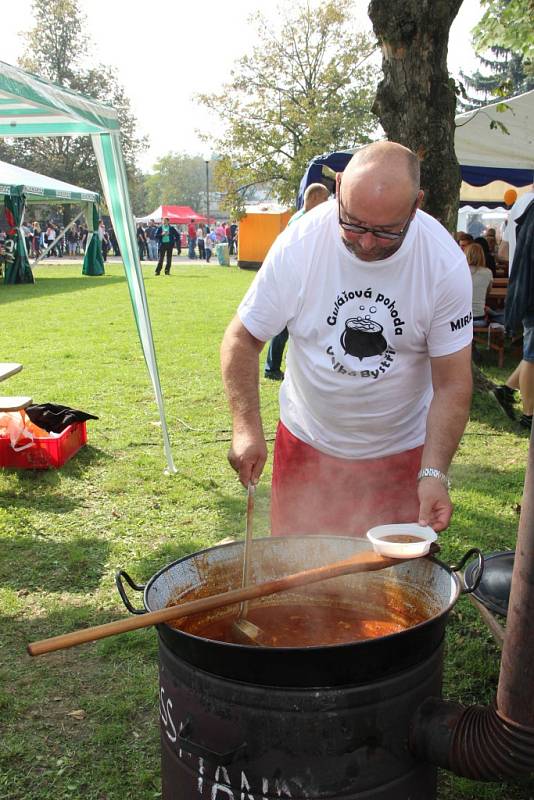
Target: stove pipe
{"x":495,"y":742}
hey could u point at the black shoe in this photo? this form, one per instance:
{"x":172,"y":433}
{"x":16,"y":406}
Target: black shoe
{"x":167,"y":273}
{"x":525,"y":420}
{"x":275,"y":375}
{"x":505,"y":398}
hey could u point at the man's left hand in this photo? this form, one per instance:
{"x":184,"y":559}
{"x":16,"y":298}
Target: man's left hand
{"x":435,"y":507}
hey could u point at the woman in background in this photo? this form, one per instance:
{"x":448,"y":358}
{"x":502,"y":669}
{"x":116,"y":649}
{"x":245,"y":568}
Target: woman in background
{"x":482,"y":278}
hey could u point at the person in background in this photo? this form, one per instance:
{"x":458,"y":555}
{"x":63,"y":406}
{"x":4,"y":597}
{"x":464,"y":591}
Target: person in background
{"x":315,"y":194}
{"x":209,"y":244}
{"x":464,"y":239}
{"x":50,"y":237}
{"x":231,"y":241}
{"x":115,"y":244}
{"x":482,"y":278}
{"x":219,"y":232}
{"x":228,"y":235}
{"x":200,"y":243}
{"x":488,"y":257}
{"x":166,"y":236}
{"x":377,"y":299}
{"x":192,"y":238}
{"x":141,"y":243}
{"x":36,"y":240}
{"x":152,"y":242}
{"x":106,"y":245}
{"x":72,"y":238}
{"x":491,"y":238}
{"x":508,"y":242}
{"x":522,"y":377}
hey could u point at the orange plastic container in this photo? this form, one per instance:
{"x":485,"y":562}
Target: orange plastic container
{"x":44,"y":453}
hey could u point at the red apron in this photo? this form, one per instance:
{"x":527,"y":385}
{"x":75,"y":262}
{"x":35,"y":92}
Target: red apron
{"x":314,"y":493}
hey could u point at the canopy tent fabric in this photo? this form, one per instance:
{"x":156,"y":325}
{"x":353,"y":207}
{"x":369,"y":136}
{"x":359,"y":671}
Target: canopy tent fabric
{"x":178,"y":215}
{"x":93,"y":260}
{"x":489,"y":153}
{"x":19,"y":270}
{"x":32,"y":187}
{"x":36,"y":188}
{"x":485,"y":151}
{"x":31,"y":106}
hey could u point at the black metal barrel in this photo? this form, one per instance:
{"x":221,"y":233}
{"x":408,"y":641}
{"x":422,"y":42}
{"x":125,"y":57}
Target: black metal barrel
{"x":228,"y":740}
{"x":253,"y":723}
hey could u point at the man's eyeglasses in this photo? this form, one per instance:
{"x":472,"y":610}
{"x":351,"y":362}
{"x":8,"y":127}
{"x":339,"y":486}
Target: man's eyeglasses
{"x":361,"y":229}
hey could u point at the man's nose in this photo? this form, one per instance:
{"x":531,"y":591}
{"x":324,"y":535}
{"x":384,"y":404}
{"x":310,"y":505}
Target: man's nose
{"x":367,"y":241}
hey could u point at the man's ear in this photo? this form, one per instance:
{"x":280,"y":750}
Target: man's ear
{"x":338,"y":181}
{"x":420,"y":198}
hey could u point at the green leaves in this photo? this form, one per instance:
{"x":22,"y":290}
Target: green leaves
{"x":303,"y":89}
{"x":508,"y":24}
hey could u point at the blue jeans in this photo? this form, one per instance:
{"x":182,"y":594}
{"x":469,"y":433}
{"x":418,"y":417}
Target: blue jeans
{"x":273,"y":362}
{"x":191,"y":241}
{"x":528,"y":337}
{"x":152,"y":249}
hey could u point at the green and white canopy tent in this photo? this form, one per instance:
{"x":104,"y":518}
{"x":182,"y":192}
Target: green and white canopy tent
{"x":31,"y":106}
{"x":22,"y":188}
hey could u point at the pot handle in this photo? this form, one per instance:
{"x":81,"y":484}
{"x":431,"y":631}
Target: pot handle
{"x":119,"y":575}
{"x":221,"y":759}
{"x":479,"y":571}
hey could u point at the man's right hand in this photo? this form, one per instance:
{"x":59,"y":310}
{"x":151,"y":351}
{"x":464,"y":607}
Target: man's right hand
{"x":247,"y":456}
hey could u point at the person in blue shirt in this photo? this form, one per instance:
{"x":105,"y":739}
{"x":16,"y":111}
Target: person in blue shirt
{"x":315,"y":194}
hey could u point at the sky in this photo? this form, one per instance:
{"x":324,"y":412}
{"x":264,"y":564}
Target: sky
{"x":165,"y":53}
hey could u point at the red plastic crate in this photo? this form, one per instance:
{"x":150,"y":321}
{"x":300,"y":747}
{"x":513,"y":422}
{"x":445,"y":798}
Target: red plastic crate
{"x":44,"y":453}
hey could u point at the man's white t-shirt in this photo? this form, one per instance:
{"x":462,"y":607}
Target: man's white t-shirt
{"x":358,"y":380}
{"x":509,"y":233}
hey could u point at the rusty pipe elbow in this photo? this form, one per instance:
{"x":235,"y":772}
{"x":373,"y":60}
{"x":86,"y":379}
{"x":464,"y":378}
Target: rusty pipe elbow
{"x":473,"y":742}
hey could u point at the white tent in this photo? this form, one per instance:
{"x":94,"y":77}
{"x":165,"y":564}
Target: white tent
{"x":39,"y":188}
{"x":496,"y":142}
{"x":31,"y":106}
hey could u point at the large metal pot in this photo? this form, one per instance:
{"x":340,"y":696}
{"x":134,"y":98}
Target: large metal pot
{"x":421,"y":588}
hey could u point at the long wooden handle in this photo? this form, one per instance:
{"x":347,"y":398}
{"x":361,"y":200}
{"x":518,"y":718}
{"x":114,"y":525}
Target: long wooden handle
{"x":248,"y":546}
{"x":366,"y":562}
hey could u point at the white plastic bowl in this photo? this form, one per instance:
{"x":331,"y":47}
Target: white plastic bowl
{"x":402,"y":549}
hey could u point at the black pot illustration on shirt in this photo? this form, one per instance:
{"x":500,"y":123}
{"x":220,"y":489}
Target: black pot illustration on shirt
{"x":363,"y":338}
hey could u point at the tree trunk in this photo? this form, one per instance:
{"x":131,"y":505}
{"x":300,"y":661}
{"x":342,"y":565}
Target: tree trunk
{"x":416,"y":100}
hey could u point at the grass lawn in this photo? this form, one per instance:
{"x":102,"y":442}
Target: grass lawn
{"x":83,"y":723}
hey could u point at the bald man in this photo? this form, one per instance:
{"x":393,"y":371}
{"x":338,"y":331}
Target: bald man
{"x":376,"y":296}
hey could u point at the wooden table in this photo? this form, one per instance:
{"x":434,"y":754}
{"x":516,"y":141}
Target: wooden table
{"x":497,"y":296}
{"x":8,"y":369}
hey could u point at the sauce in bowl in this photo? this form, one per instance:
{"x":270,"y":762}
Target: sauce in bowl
{"x":401,"y":538}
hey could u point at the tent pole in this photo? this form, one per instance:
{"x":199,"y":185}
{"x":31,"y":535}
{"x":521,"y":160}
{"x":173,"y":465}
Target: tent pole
{"x":61,"y":235}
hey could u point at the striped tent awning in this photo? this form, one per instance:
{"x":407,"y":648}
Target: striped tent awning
{"x":31,"y":106}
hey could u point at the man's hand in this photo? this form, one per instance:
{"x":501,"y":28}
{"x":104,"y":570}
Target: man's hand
{"x":435,"y":507}
{"x":247,"y":456}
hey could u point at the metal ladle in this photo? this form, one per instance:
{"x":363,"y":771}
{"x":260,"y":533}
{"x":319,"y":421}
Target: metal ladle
{"x":245,"y":631}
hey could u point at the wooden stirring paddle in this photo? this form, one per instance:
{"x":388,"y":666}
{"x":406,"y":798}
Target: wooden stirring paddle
{"x":364,"y":562}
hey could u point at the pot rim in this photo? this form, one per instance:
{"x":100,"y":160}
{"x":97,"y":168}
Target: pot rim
{"x":311,"y":648}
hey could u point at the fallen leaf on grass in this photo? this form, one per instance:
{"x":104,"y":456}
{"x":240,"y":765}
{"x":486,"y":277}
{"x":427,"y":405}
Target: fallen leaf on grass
{"x":78,"y":714}
{"x":115,"y":514}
